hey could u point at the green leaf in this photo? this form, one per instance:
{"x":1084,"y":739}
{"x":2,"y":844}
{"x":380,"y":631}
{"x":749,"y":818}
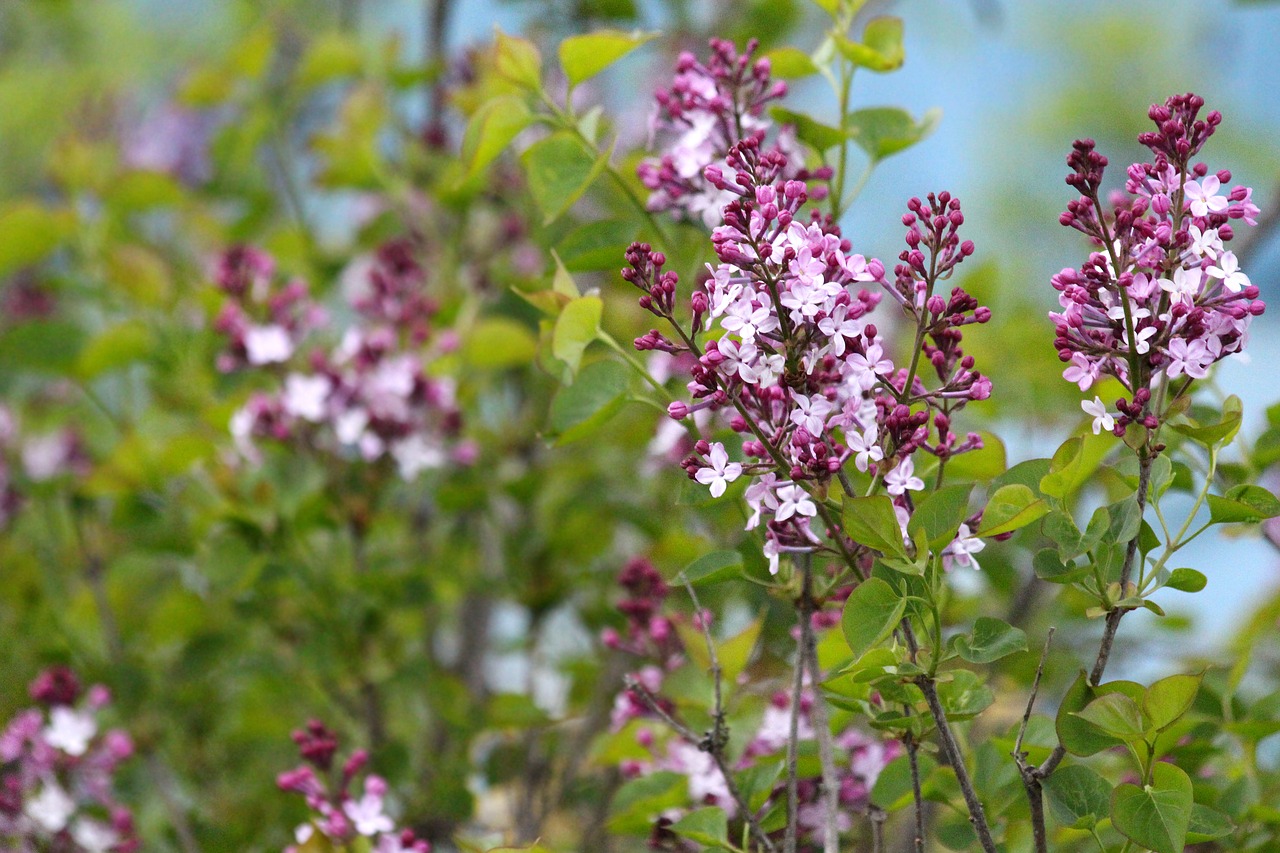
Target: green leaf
{"x":29,"y":232}
{"x":330,"y":56}
{"x":594,"y":397}
{"x":1186,"y":580}
{"x":893,"y":789}
{"x":735,"y":653}
{"x":713,"y":568}
{"x":583,"y":57}
{"x":576,"y":327}
{"x":815,"y":134}
{"x":789,"y":63}
{"x":1078,"y":797}
{"x":41,"y":345}
{"x":1049,"y":566}
{"x":990,"y":640}
{"x":1064,"y":469}
{"x":114,"y":348}
{"x":597,"y":245}
{"x":1078,"y":735}
{"x":1169,"y":698}
{"x":1245,"y":503}
{"x":940,"y":514}
{"x":871,"y":613}
{"x":641,"y":800}
{"x":1207,"y":824}
{"x":1011,"y":508}
{"x":491,"y":129}
{"x":1117,"y":715}
{"x":757,"y":782}
{"x":559,"y":171}
{"x":518,"y":60}
{"x":884,"y":131}
{"x":1155,"y":816}
{"x":881,"y":47}
{"x":705,"y":826}
{"x":871,"y":521}
{"x":964,"y":696}
{"x":497,"y":343}
{"x":1213,"y":435}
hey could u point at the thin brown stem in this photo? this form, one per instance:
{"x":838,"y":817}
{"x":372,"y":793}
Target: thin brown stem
{"x":805,"y":611}
{"x":1030,"y":781}
{"x":913,"y":747}
{"x":822,"y":729}
{"x":717,"y":755}
{"x":977,"y":815}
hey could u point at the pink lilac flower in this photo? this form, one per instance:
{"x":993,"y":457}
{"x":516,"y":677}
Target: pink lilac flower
{"x":719,"y":471}
{"x":705,"y":112}
{"x":57,"y":769}
{"x":370,"y":397}
{"x":1170,"y":228}
{"x":335,"y":813}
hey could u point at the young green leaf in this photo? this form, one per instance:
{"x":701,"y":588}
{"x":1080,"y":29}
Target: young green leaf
{"x":1186,"y":580}
{"x":491,"y":129}
{"x":1078,"y":797}
{"x":713,"y":568}
{"x":518,"y":60}
{"x":1169,"y":698}
{"x":789,"y":63}
{"x":1011,"y":508}
{"x":1155,"y":816}
{"x":940,"y":514}
{"x":990,"y":640}
{"x":595,"y":396}
{"x":1079,"y":736}
{"x":815,"y":134}
{"x":560,"y":170}
{"x":871,"y":613}
{"x":576,"y":327}
{"x":884,"y":131}
{"x":964,"y":696}
{"x":871,"y":521}
{"x":583,"y":57}
{"x":1117,"y":715}
{"x":881,"y":47}
{"x":708,"y":826}
{"x":1245,"y":503}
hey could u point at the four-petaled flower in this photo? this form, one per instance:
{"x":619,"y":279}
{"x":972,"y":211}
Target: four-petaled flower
{"x":865,"y":447}
{"x":963,"y":547}
{"x":1102,"y":419}
{"x":794,"y":500}
{"x":720,"y":472}
{"x":1203,"y":196}
{"x":902,"y":478}
{"x":1228,"y":269}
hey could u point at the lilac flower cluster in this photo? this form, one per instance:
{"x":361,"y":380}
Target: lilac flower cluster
{"x":38,"y":458}
{"x":708,"y":109}
{"x":56,"y":773}
{"x":793,"y":358}
{"x":1161,"y":298}
{"x":371,"y":396}
{"x":337,"y":814}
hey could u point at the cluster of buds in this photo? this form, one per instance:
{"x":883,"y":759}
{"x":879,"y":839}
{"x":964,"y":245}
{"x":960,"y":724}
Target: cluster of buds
{"x":1161,"y":298}
{"x":650,"y":633}
{"x":709,"y":109}
{"x":336,"y":814}
{"x":371,"y":396}
{"x":57,"y":790}
{"x":795,"y":363}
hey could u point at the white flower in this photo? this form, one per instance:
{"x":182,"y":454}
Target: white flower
{"x":760,"y":496}
{"x":720,"y":473}
{"x":1205,"y":243}
{"x":1203,"y":197}
{"x":964,"y":546}
{"x":51,"y":808}
{"x":903,"y":478}
{"x":416,"y":454}
{"x":305,"y":396}
{"x":267,"y":344}
{"x":1142,"y":340}
{"x":366,"y":814}
{"x":1228,"y":269}
{"x":865,"y":446}
{"x":94,"y":836}
{"x":811,"y":413}
{"x":1097,"y":409}
{"x":1184,"y":286}
{"x":70,"y":730}
{"x":794,"y":500}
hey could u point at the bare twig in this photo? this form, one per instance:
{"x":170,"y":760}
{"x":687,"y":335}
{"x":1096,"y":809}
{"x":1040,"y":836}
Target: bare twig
{"x":1030,"y":781}
{"x":821,"y":726}
{"x":717,"y":755}
{"x":878,"y":816}
{"x":913,"y":747}
{"x":805,"y":611}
